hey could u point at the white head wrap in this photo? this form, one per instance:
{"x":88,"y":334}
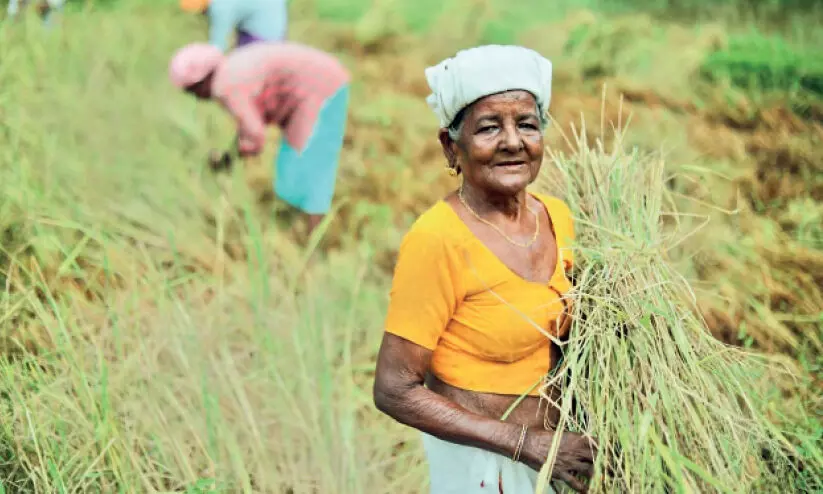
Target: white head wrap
{"x":477,"y":72}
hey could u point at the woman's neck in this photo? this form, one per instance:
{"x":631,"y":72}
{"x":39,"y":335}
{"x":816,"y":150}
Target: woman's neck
{"x":490,"y":204}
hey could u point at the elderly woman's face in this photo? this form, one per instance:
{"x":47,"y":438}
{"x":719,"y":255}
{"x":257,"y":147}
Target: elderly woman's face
{"x":500,"y":148}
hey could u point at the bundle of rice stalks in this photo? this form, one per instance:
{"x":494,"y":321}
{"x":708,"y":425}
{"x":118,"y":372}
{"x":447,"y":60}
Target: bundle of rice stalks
{"x":672,"y":408}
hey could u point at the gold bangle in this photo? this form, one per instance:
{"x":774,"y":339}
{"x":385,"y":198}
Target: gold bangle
{"x":519,"y":449}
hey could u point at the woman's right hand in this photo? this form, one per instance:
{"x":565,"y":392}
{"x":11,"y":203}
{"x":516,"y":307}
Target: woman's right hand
{"x":575,"y":456}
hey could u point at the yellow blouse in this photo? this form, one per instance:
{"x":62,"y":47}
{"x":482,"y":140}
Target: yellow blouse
{"x":452,"y":295}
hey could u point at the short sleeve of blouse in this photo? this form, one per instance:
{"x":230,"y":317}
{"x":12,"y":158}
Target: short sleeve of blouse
{"x":425,"y":288}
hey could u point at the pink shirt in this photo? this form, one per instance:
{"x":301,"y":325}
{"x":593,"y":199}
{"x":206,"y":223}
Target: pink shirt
{"x":283,"y":84}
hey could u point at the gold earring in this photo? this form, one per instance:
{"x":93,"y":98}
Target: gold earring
{"x":451,"y":171}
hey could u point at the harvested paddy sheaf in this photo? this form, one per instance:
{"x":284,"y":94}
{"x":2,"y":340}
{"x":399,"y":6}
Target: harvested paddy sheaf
{"x":671,"y":407}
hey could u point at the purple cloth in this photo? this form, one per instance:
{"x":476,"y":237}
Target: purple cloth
{"x":244,"y":38}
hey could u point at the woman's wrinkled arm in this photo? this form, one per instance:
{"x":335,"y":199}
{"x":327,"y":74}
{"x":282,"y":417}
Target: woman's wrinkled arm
{"x":426,"y":290}
{"x":399,"y":392}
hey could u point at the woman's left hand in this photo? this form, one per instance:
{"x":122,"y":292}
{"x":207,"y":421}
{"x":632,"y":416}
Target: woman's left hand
{"x":576,"y":456}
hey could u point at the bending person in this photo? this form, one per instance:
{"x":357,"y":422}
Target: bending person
{"x":300,"y":89}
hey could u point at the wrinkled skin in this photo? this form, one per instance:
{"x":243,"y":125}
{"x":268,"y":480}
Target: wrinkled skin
{"x":499,"y":152}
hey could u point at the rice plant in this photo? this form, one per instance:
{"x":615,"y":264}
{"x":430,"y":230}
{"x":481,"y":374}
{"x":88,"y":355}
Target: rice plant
{"x":672,"y":408}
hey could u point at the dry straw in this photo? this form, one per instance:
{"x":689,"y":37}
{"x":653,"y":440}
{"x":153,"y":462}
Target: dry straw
{"x":672,"y":408}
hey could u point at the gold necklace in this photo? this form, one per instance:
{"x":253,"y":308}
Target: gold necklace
{"x":501,"y":232}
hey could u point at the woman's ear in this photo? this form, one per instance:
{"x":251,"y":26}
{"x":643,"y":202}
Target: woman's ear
{"x":449,"y":147}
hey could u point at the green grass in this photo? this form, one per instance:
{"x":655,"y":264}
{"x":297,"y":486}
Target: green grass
{"x":160,"y":328}
{"x":187,"y":378}
{"x":767,"y":64}
{"x":141,"y":356}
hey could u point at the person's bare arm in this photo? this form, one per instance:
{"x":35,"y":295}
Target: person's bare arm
{"x":399,"y":392}
{"x":251,"y":128}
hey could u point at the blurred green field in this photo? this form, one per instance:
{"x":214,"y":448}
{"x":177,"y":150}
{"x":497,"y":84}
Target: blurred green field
{"x":163,"y":330}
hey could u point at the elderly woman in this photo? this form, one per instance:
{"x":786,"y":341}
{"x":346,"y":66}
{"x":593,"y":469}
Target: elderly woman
{"x":300,"y":89}
{"x":251,"y":20}
{"x":479,"y":281}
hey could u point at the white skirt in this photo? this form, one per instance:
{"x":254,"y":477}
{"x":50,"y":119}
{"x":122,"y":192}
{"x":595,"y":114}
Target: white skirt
{"x":456,"y":469}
